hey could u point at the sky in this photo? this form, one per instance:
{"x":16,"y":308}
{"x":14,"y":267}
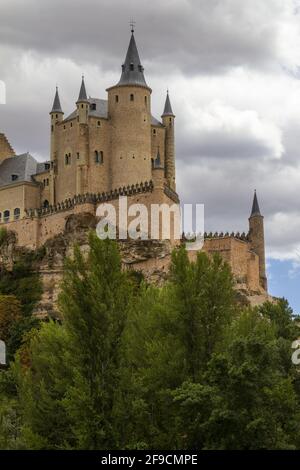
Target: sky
{"x":232,"y":70}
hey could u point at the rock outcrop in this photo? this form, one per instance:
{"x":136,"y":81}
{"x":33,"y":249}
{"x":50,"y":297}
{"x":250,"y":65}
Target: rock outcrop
{"x":151,"y":257}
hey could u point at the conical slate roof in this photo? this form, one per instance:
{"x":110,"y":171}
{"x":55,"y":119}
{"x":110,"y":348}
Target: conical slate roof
{"x":82,"y":93}
{"x":56,"y":108}
{"x":255,"y":206}
{"x":132,"y":69}
{"x":168,"y":108}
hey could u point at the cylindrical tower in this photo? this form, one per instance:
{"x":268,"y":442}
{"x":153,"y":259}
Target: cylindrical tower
{"x":257,"y":239}
{"x":56,"y":117}
{"x":129,"y":112}
{"x":168,"y":119}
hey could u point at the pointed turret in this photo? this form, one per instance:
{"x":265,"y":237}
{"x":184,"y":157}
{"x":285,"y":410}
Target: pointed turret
{"x":56,"y":108}
{"x":168,"y":108}
{"x":56,"y":118}
{"x":82,"y":93}
{"x":132,"y":69}
{"x":129,"y":112}
{"x":255,"y":207}
{"x":82,"y":104}
{"x":168,"y":119}
{"x":257,"y":239}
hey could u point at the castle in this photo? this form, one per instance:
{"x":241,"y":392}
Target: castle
{"x":104,"y":149}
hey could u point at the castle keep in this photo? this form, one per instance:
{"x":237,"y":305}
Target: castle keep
{"x":104,"y":149}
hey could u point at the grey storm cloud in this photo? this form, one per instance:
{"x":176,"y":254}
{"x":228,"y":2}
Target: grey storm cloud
{"x":194,"y":36}
{"x":232,"y":67}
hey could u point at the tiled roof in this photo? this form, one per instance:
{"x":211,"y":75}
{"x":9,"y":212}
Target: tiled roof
{"x":56,"y":108}
{"x":99,"y":108}
{"x":132,"y":69}
{"x":23,"y":167}
{"x":255,"y":206}
{"x":168,"y":108}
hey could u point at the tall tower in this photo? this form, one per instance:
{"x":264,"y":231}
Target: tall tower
{"x":56,"y":117}
{"x":82,"y":143}
{"x":129,"y":113}
{"x":82,"y":104}
{"x":168,"y":119}
{"x":257,"y":239}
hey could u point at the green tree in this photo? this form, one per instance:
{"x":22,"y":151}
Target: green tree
{"x":170,"y":337}
{"x":68,"y":394}
{"x":202,"y":294}
{"x":42,"y":388}
{"x":10,"y":314}
{"x":23,"y":282}
{"x":244,"y":400}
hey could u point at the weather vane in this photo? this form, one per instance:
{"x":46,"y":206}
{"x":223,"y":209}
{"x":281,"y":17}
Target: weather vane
{"x":132,"y":25}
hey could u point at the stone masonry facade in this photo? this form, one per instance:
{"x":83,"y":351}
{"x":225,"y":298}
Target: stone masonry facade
{"x":103,"y":150}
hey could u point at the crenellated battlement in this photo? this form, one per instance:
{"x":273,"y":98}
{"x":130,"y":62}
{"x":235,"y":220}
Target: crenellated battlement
{"x":237,"y":235}
{"x":91,"y":198}
{"x":108,"y":145}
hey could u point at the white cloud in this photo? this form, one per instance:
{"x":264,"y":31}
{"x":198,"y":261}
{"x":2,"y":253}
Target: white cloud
{"x":232,"y":68}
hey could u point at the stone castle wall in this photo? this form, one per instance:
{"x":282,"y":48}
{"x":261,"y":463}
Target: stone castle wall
{"x":40,"y":225}
{"x":126,"y":147}
{"x":239,"y":255}
{"x":37,"y":226}
{"x":6,"y":149}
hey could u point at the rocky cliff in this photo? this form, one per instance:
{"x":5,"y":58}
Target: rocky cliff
{"x":150,"y":257}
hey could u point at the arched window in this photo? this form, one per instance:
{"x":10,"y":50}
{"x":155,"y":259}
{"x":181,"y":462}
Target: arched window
{"x":68,"y":159}
{"x":132,"y":97}
{"x":6,"y":215}
{"x":98,"y":156}
{"x":17,"y":213}
{"x":45,"y":204}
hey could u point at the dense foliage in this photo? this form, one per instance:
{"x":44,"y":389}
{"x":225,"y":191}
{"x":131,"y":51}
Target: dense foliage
{"x":133,"y":366}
